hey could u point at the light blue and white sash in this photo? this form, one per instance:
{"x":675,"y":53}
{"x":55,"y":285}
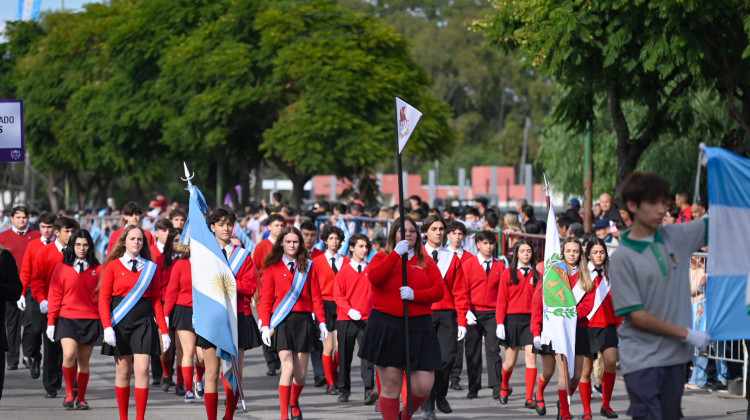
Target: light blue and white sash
{"x":344,"y":248}
{"x":144,"y":280}
{"x":237,"y":258}
{"x":291,"y":297}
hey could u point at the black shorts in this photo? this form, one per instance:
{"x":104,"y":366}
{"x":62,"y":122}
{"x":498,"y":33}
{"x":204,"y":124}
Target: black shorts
{"x":330,"y":308}
{"x":384,"y":344}
{"x":601,"y":339}
{"x":517,"y":331}
{"x":182,"y":318}
{"x":136,"y":333}
{"x":84,"y":331}
{"x":297,"y":332}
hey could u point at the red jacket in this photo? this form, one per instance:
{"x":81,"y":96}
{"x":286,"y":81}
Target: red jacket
{"x":162,"y":274}
{"x":385,"y":274}
{"x":456,"y":293}
{"x":29,"y":258}
{"x":537,"y":307}
{"x":483,"y":289}
{"x":180,"y":289}
{"x":315,"y":253}
{"x":352,"y":291}
{"x":17,"y":244}
{"x":260,"y":253}
{"x":117,"y":280}
{"x":155,"y":253}
{"x":116,"y":235}
{"x":46,"y":260}
{"x":277,"y":280}
{"x":514,"y":298}
{"x":326,"y":276}
{"x":71,"y":295}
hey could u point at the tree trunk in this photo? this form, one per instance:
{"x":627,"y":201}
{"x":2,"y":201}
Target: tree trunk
{"x":243,"y":173}
{"x":54,"y":204}
{"x":298,"y":188}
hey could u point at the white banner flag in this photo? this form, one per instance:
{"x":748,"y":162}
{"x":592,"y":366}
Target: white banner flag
{"x":407,"y":118}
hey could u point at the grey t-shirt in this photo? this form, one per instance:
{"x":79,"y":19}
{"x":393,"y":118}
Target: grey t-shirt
{"x":655,"y":276}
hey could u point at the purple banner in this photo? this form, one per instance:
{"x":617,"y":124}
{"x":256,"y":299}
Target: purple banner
{"x":12,"y":146}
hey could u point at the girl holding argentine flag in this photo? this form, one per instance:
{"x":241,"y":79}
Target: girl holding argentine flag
{"x":289,"y":300}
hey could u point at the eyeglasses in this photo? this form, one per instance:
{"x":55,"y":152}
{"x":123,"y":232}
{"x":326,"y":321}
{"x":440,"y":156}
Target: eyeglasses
{"x":81,"y":245}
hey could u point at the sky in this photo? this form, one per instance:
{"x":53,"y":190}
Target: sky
{"x":9,"y":8}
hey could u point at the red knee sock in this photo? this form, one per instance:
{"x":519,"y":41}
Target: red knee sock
{"x":506,"y":382}
{"x":608,"y":384}
{"x":199,"y":370}
{"x":69,"y":373}
{"x":212,"y":404}
{"x":336,"y":361}
{"x":377,"y":382}
{"x":83,"y":383}
{"x":585,"y":391}
{"x":564,"y":407}
{"x":540,"y":389}
{"x":141,"y":400}
{"x":530,"y":382}
{"x":166,"y":366}
{"x":294,"y":400}
{"x":328,"y":369}
{"x":232,"y":398}
{"x":284,"y":394}
{"x":416,"y":402}
{"x":187,"y":373}
{"x":123,"y":400}
{"x":389,"y":408}
{"x":403,"y":391}
{"x":180,"y":379}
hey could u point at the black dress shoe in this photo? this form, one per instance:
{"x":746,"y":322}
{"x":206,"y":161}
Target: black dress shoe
{"x":504,"y":398}
{"x":271,"y":372}
{"x":371,"y":395}
{"x":320,"y":380}
{"x":165,"y":383}
{"x":343,"y":397}
{"x":26,"y":362}
{"x":471,"y":395}
{"x":35,"y":368}
{"x":495,"y":392}
{"x":540,"y":407}
{"x":298,"y":417}
{"x":13,"y":367}
{"x":332,"y":391}
{"x":529,"y":404}
{"x":51,"y":394}
{"x":443,"y":406}
{"x":608,"y":413}
{"x":429,"y":415}
{"x":456,"y":386}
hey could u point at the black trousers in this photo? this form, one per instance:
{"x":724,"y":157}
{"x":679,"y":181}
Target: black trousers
{"x":458,"y":364}
{"x":52,"y":363}
{"x":350,"y":332}
{"x":272,"y":358}
{"x":446,"y":327}
{"x":2,"y":374}
{"x":13,"y":317}
{"x":485,"y":327}
{"x":34,"y":326}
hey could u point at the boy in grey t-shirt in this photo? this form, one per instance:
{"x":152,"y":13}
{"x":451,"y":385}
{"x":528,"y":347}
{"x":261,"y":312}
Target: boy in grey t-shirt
{"x":651,"y":291}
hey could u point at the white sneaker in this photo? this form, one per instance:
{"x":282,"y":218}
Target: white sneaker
{"x":189,"y":397}
{"x":199,"y":390}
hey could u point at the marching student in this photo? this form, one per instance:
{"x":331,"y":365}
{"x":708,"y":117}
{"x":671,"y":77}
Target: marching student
{"x":310,"y":235}
{"x":73,"y":317}
{"x":131,"y":213}
{"x":456,"y":232}
{"x":384,"y":342}
{"x":482,"y":274}
{"x":164,"y":258}
{"x":513,"y":315}
{"x":46,"y":260}
{"x":353,"y":305}
{"x":16,"y":240}
{"x":275,"y":224}
{"x":130,"y":309}
{"x":602,"y":330}
{"x":448,"y":314}
{"x":10,"y":291}
{"x":178,"y":217}
{"x":221,"y":221}
{"x":290,"y":294}
{"x":326,"y":267}
{"x":161,"y":231}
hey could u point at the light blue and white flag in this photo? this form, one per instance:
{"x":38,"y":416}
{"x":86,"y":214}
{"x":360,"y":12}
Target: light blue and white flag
{"x":728,"y":245}
{"x":243,"y":236}
{"x":214,"y":288}
{"x":344,"y":248}
{"x":202,"y":209}
{"x":28,"y":9}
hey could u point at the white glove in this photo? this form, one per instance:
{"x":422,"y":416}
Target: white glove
{"x":461,"y":333}
{"x":354,"y":314}
{"x":109,"y":336}
{"x":43,"y":306}
{"x":21,"y":303}
{"x":406,"y":293}
{"x":471,"y":319}
{"x":323,"y":331}
{"x":500,"y":331}
{"x":166,"y":341}
{"x":402,"y":247}
{"x":51,"y":332}
{"x":166,"y":319}
{"x":538,"y":342}
{"x":699,"y":339}
{"x":260,"y":323}
{"x":265,"y":335}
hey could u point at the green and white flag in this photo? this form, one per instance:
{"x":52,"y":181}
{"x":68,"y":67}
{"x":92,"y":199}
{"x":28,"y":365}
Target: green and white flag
{"x":560,"y":314}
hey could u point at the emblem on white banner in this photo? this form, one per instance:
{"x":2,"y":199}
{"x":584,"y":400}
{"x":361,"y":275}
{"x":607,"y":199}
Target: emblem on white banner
{"x":407,"y":118}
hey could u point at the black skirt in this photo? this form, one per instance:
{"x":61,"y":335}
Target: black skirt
{"x":244,"y":340}
{"x":297,"y":332}
{"x":545,"y":351}
{"x":182,"y":318}
{"x":254,"y":339}
{"x":87,"y":332}
{"x":137,"y":333}
{"x":517,"y":331}
{"x":601,"y":339}
{"x":583,"y":347}
{"x":383,"y":342}
{"x":330,"y":308}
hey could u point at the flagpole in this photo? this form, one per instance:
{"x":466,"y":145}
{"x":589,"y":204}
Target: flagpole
{"x":238,"y":378}
{"x":402,"y":214}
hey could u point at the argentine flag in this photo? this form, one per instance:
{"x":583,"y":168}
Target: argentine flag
{"x":214,"y":288}
{"x":728,"y":245}
{"x":28,"y":9}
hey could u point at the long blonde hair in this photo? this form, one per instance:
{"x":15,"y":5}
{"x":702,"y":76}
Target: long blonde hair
{"x":584,"y":278}
{"x":119,"y":249}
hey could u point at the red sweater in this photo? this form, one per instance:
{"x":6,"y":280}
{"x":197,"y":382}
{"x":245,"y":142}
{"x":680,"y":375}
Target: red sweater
{"x":180,"y":290}
{"x":162,"y":275}
{"x":584,"y":305}
{"x":456,"y":293}
{"x":260,"y":253}
{"x":29,"y":258}
{"x":71,"y":295}
{"x":46,"y":260}
{"x":155,"y":253}
{"x":247,"y":281}
{"x":352,"y":291}
{"x":605,"y":314}
{"x":537,"y":307}
{"x":116,"y":235}
{"x":385,"y":274}
{"x":17,"y":244}
{"x":277,"y":280}
{"x":117,"y":280}
{"x":514,"y":298}
{"x":315,"y":253}
{"x":326,"y":276}
{"x":483,"y":289}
